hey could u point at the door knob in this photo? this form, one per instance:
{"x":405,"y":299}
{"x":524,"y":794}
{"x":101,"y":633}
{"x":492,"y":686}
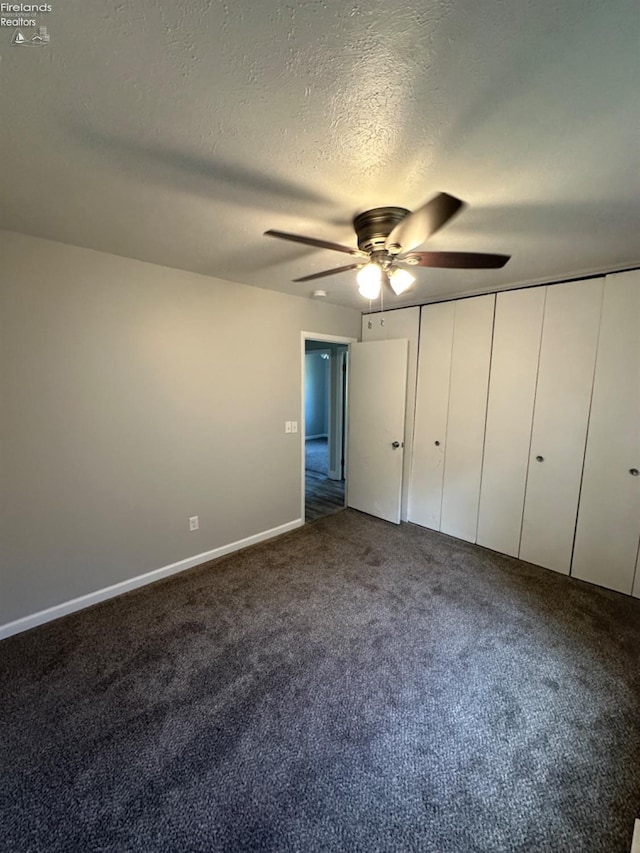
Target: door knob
{"x":634,"y":472}
{"x":437,"y":443}
{"x":539,"y":458}
{"x":395,"y":444}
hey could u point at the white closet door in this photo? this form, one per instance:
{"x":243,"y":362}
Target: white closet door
{"x":563,"y":395}
{"x":388,"y":325}
{"x":512,"y":387}
{"x":608,"y":530}
{"x":470,"y":360}
{"x":432,"y":401}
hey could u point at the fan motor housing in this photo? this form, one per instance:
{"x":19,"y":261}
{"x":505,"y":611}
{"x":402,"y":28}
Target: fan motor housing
{"x":374,"y":226}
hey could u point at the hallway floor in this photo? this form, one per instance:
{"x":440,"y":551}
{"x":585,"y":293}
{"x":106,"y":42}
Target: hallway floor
{"x":322,"y":495}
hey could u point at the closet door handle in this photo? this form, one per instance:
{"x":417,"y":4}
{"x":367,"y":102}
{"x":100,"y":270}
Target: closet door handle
{"x":539,"y":458}
{"x":437,"y":443}
{"x":634,"y":472}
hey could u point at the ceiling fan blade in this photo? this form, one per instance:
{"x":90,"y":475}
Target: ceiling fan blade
{"x":311,"y":241}
{"x":328,"y":272}
{"x":456,"y":260}
{"x":414,"y":229}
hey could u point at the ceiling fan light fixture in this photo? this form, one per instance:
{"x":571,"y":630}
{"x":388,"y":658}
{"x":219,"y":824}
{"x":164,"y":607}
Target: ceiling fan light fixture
{"x":369,"y":279}
{"x":401,"y":280}
{"x":389,"y":235}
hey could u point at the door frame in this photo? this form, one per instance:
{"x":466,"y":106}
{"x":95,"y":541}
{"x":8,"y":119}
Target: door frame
{"x":332,"y":339}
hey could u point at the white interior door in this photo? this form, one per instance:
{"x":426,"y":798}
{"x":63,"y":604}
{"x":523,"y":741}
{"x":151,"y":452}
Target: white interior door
{"x":377,"y":401}
{"x":384,"y":326}
{"x":468,"y":387}
{"x":432,"y":403}
{"x":609,"y":515}
{"x":563,"y":396}
{"x":512,"y":388}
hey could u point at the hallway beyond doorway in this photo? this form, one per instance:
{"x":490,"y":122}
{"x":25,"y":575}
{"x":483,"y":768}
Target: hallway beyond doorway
{"x":322,"y":495}
{"x":324,"y":415}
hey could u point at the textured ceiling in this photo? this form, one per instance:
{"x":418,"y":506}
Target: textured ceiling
{"x":178,"y":132}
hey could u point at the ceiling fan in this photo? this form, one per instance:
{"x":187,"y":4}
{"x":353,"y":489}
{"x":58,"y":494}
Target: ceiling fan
{"x":387,"y":237}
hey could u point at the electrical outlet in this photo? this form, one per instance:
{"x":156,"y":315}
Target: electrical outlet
{"x":294,"y":426}
{"x":194,"y":523}
{"x":287,"y":426}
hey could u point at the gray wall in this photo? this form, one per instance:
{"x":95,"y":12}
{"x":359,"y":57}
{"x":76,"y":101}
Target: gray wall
{"x":316,"y":387}
{"x":133,"y":396}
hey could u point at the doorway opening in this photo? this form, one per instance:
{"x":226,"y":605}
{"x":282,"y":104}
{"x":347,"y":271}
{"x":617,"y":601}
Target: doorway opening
{"x":325,"y":373}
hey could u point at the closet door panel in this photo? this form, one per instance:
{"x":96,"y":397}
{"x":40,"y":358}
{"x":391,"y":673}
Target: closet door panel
{"x":608,"y":529}
{"x":563,"y":396}
{"x":512,"y":386}
{"x":432,"y":400}
{"x":470,"y":360}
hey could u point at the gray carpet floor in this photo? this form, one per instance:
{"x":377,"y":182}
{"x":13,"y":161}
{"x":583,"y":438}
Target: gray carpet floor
{"x":351,"y":686}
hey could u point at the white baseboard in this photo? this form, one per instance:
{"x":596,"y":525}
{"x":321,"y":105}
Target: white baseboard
{"x":66,"y":607}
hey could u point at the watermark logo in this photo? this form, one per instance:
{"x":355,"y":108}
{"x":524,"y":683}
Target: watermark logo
{"x":41,"y":37}
{"x":26,"y":31}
